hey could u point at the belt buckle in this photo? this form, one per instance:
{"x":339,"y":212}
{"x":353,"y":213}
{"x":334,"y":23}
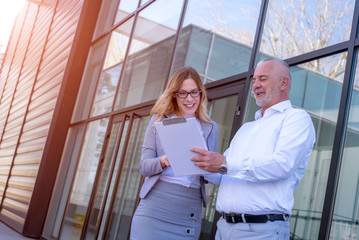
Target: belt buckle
{"x":270,"y":217}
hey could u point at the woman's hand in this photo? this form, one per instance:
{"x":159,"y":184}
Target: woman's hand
{"x":164,"y":162}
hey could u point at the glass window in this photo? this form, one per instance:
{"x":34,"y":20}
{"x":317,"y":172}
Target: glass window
{"x":110,"y":75}
{"x":294,"y":27}
{"x":84,"y":179}
{"x":217,"y":37}
{"x":105,"y":18}
{"x":125,"y":8}
{"x":147,"y":65}
{"x":89,"y":80}
{"x":346,"y":211}
{"x":63,"y":182}
{"x":319,"y":94}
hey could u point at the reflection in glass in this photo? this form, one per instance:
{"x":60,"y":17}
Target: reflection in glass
{"x":65,"y":175}
{"x":129,"y":183}
{"x":294,"y":27}
{"x":106,"y":173}
{"x":105,"y":18}
{"x":346,"y":211}
{"x":319,"y":94}
{"x":84,"y":179}
{"x":217,"y":37}
{"x":118,"y":44}
{"x":89,"y":80}
{"x":222,"y":112}
{"x":110,"y":76}
{"x":125,"y":8}
{"x":147,"y":65}
{"x":114,"y":177}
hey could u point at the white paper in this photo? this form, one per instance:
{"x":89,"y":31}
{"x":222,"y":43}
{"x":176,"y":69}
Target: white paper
{"x":177,"y":139}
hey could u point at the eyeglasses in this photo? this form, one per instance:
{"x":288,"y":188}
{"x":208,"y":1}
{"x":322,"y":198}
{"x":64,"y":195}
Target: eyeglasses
{"x":183,"y":94}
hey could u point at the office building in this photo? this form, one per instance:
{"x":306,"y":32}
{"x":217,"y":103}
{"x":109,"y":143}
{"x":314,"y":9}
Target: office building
{"x":79,"y":79}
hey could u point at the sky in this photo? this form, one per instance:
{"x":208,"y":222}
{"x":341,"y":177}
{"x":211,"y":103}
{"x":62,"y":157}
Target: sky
{"x":8,"y":12}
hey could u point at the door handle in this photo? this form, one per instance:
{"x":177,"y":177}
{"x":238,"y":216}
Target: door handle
{"x":237,"y":112}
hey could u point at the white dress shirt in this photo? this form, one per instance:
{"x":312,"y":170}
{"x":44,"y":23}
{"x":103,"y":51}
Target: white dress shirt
{"x":266,"y":161}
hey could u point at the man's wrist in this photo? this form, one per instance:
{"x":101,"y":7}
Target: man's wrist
{"x":223,"y":168}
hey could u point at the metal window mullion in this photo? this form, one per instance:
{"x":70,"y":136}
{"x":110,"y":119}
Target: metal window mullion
{"x":319,"y":53}
{"x":98,"y":39}
{"x":68,"y":198}
{"x":125,"y":59}
{"x":118,"y":174}
{"x":178,"y":33}
{"x":89,"y":59}
{"x":242,"y":100}
{"x":208,"y":58}
{"x":340,"y":132}
{"x":98,"y":177}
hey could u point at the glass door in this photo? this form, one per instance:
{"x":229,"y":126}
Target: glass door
{"x":126,"y":186}
{"x":224,"y":105}
{"x":108,"y":172}
{"x":115,"y":198}
{"x":113,"y":191}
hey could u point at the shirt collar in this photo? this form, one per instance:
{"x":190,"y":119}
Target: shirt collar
{"x":279,"y":107}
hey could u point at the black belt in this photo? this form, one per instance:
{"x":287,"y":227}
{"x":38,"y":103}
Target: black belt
{"x":247,"y":218}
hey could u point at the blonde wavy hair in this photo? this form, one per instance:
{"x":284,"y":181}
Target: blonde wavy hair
{"x":166,"y":104}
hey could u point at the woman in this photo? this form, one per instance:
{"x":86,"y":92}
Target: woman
{"x":171,"y":207}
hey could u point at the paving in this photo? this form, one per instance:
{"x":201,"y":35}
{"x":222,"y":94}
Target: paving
{"x":6,"y":233}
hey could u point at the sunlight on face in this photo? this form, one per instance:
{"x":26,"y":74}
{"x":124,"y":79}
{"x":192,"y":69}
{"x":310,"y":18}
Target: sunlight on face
{"x":188,"y":106}
{"x":266,"y":85}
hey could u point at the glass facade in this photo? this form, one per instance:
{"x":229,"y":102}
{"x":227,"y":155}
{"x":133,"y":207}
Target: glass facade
{"x":294,"y":27}
{"x":112,"y":67}
{"x":89,"y":83}
{"x":346,"y":212}
{"x":214,"y":40}
{"x":135,"y":49}
{"x":323,"y":108}
{"x":148,"y":62}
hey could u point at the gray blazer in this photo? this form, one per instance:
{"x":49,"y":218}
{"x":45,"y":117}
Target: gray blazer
{"x":150,"y":166}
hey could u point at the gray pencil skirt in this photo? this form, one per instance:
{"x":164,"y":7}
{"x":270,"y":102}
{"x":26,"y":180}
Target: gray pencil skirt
{"x":169,"y":211}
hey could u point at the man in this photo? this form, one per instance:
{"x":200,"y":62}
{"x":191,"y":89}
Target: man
{"x":266,"y":161}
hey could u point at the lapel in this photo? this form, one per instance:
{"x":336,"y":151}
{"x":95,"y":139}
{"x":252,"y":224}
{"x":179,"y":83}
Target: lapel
{"x":206,"y":128}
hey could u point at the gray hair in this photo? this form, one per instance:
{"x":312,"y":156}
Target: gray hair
{"x":286,"y":68}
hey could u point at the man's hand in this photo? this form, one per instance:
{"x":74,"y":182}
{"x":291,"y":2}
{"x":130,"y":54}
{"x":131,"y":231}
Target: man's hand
{"x":209,"y":161}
